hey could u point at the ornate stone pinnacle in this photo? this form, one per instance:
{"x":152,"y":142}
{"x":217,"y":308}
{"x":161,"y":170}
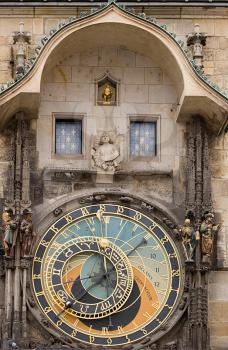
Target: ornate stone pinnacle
{"x":197,"y":40}
{"x":21,"y":38}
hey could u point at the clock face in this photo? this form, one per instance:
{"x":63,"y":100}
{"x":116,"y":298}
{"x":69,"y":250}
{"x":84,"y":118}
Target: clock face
{"x":107,"y":275}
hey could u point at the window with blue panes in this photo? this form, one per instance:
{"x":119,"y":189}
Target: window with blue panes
{"x":143,"y":138}
{"x":68,"y":136}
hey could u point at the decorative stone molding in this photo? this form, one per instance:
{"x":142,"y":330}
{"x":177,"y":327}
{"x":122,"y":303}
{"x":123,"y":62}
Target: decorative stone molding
{"x":96,"y":10}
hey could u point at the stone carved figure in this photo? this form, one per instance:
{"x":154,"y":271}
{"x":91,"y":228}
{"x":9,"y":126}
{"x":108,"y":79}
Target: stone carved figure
{"x":208,"y":230}
{"x":105,"y":153}
{"x":107,"y":93}
{"x":9,"y":228}
{"x":189,"y":239}
{"x":197,"y":40}
{"x":26,"y":233}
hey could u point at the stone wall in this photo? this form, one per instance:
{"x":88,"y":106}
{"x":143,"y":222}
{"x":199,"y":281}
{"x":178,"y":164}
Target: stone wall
{"x":146,"y":89}
{"x":68,"y":88}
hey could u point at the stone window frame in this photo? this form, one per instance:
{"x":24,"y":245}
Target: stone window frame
{"x":67,"y":115}
{"x":146,"y":118}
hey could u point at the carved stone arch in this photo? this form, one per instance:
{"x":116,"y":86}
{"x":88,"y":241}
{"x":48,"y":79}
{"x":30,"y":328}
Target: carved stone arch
{"x":195,"y":94}
{"x":100,"y":84}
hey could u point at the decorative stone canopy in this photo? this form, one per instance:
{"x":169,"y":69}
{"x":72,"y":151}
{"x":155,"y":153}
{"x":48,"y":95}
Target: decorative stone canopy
{"x":121,"y":27}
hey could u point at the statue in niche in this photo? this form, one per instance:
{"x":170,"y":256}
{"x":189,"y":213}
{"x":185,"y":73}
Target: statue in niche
{"x":107,"y":90}
{"x":107,"y":93}
{"x":189,"y":239}
{"x":105,"y":153}
{"x":26,"y":233}
{"x":208,"y":231}
{"x":10,"y":232}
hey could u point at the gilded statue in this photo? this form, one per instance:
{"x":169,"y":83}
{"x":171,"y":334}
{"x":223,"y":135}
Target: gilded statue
{"x":105,"y":153}
{"x":107,"y":94}
{"x":208,"y":231}
{"x":189,"y":239}
{"x":26,"y":233}
{"x":10,"y":232}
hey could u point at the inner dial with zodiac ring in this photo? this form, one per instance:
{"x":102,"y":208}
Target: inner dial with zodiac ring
{"x":107,"y":275}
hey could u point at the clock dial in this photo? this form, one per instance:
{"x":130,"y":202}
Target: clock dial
{"x":107,"y":275}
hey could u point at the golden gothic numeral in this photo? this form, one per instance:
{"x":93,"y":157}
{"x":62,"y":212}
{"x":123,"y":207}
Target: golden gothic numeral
{"x":37,"y":259}
{"x":74,"y":333}
{"x":91,"y":339}
{"x":175,"y":273}
{"x":68,"y":218}
{"x":84,"y":211}
{"x":164,"y":240}
{"x":44,"y":243}
{"x":47,"y":309}
{"x":137,"y":216}
{"x":55,"y":229}
{"x":120,"y":209}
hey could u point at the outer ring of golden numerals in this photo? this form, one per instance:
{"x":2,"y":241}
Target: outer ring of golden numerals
{"x":117,"y":339}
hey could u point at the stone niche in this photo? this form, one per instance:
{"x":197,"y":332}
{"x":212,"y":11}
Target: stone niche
{"x":107,"y":90}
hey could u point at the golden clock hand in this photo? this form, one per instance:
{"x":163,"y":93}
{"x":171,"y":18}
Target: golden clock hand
{"x":85,"y":278}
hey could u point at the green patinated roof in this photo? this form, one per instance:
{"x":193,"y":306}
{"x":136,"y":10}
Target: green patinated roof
{"x":44,"y":41}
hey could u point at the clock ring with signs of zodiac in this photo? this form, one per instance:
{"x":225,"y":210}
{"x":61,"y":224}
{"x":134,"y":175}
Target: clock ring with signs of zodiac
{"x":107,"y":275}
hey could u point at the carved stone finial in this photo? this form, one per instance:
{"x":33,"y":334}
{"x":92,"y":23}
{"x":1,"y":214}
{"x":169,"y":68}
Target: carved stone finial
{"x":197,"y":40}
{"x":21,"y":38}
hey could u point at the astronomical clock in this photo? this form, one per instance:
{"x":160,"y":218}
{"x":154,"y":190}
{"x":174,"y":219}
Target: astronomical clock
{"x":107,"y":275}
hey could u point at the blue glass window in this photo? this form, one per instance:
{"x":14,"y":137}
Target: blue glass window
{"x":68,"y":136}
{"x":142,"y":138}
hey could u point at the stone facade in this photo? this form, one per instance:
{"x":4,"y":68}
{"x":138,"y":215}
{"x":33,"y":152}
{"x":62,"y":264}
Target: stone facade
{"x":147,"y":92}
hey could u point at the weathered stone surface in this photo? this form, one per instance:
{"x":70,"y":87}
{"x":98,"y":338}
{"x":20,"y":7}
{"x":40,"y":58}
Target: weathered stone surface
{"x":153,"y":75}
{"x":81,"y":74}
{"x":62,"y":74}
{"x":146,"y":91}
